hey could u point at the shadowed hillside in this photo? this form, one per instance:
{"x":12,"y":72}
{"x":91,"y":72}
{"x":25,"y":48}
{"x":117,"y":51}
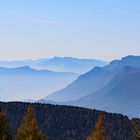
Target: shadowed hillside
{"x":70,"y":123}
{"x":121,"y":95}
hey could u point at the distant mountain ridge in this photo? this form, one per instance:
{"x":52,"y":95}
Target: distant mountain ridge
{"x":93,"y":80}
{"x":24,"y":82}
{"x":58,"y":64}
{"x":33,"y":79}
{"x":28,"y":70}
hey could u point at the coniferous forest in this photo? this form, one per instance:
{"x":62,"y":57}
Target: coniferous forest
{"x":24,"y":121}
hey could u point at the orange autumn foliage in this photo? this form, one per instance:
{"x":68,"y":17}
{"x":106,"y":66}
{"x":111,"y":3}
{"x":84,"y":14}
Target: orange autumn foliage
{"x":29,"y":129}
{"x":99,"y":133}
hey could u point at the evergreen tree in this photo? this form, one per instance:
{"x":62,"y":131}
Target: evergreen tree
{"x":99,"y":133}
{"x":29,"y":129}
{"x":4,"y":127}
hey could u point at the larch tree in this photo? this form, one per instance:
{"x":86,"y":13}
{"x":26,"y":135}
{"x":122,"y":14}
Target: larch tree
{"x":4,"y":127}
{"x":137,"y":132}
{"x":29,"y":129}
{"x":99,"y":133}
{"x":136,"y":127}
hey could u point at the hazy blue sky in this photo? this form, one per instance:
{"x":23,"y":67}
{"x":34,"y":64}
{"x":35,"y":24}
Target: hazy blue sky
{"x":104,"y":29}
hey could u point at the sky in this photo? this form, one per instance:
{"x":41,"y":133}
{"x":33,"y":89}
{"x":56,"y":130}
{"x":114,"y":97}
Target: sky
{"x":102,"y":29}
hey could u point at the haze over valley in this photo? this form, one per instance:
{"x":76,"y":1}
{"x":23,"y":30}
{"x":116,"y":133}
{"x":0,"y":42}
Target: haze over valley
{"x":34,"y":79}
{"x":114,"y":88}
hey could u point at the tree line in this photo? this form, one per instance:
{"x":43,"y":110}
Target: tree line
{"x":29,"y":129}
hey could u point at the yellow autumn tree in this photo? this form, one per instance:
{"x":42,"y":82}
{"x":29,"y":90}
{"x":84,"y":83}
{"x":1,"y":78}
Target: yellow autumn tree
{"x":136,"y":129}
{"x":137,"y":133}
{"x":99,"y":133}
{"x":29,"y":129}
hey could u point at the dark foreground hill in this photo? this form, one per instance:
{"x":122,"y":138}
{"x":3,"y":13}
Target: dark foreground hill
{"x":69,"y":123}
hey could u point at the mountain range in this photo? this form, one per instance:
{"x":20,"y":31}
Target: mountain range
{"x":29,"y":80}
{"x":57,"y":64}
{"x":114,"y":87}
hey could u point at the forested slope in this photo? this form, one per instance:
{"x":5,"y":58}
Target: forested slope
{"x":69,"y":123}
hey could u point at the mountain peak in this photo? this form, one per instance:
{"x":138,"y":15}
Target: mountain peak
{"x":130,"y":57}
